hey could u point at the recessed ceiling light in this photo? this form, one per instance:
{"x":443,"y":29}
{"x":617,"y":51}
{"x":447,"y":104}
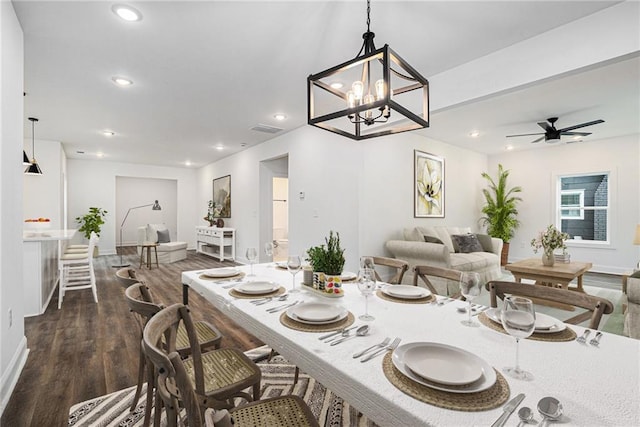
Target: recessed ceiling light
{"x":474,"y":134}
{"x":336,"y":85}
{"x":219,"y":147}
{"x":279,"y":116}
{"x":108,"y":133}
{"x":187,"y":163}
{"x":577,"y":137}
{"x":509,"y":147}
{"x":100,"y":154}
{"x":127,"y":13}
{"x":121,"y":81}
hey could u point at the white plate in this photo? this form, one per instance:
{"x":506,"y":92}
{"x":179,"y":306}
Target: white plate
{"x":406,"y":291}
{"x":257,"y":287}
{"x":348,"y":275}
{"x":219,"y":273}
{"x":292,"y":315}
{"x":486,"y":380}
{"x":443,"y":364}
{"x":317,"y":312}
{"x":558,"y":326}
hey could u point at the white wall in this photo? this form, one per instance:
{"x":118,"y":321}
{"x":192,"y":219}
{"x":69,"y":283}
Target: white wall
{"x":93,"y":183}
{"x":363,"y":190}
{"x":42,"y":193}
{"x":133,"y":192}
{"x":535,"y":171}
{"x":13,"y":344}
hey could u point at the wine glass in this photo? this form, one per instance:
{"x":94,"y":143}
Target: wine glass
{"x":294,"y":264}
{"x":470,"y":288}
{"x":367,"y":262}
{"x":252,"y":254}
{"x":518,"y":319}
{"x":268,"y":250}
{"x":366,"y":285}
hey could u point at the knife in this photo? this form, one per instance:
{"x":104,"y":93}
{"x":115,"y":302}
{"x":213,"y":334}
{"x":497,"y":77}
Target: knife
{"x":508,"y":410}
{"x":281,"y":307}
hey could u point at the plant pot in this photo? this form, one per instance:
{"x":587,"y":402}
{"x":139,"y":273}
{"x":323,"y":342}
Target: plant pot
{"x":332,"y":283}
{"x":504,"y":256}
{"x":318,"y":280}
{"x":548,"y":259}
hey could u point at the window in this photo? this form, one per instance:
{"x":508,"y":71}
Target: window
{"x":572,"y":202}
{"x":583,"y":206}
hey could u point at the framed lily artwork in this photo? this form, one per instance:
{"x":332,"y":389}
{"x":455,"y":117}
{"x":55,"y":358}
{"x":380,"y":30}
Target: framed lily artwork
{"x":428,"y":180}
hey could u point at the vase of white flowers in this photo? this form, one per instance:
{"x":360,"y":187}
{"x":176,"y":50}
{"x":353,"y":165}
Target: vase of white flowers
{"x":549,"y":240}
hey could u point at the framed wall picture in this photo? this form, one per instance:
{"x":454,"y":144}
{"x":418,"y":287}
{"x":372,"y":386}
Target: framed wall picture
{"x":222,"y":197}
{"x":428,"y":182}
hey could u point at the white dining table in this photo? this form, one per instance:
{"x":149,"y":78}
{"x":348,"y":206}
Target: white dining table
{"x":597,"y":386}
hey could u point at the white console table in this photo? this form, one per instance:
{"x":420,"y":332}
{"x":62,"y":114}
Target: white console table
{"x":216,"y":242}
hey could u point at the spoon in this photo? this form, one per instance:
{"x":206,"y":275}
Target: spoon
{"x":525,"y":414}
{"x":550,"y":409}
{"x":360,"y":332}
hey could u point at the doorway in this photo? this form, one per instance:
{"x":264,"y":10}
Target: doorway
{"x":280,"y":214}
{"x":274,"y":208}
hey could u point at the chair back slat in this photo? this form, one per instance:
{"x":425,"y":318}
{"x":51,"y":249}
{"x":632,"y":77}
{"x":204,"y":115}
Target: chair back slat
{"x":422,"y":271}
{"x":399,"y":265}
{"x":596,"y":306}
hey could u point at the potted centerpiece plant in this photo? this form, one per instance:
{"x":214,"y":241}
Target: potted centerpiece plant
{"x":500,"y":210}
{"x":327,"y":261}
{"x":92,"y":222}
{"x":549,"y":240}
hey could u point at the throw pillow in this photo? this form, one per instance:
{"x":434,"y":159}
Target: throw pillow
{"x":485,"y":241}
{"x":636,"y":275}
{"x":163,"y":236}
{"x":152,"y":232}
{"x":466,"y":243}
{"x":431,"y":239}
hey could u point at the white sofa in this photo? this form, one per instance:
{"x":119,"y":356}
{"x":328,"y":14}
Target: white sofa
{"x":416,"y":251}
{"x":168,"y":252}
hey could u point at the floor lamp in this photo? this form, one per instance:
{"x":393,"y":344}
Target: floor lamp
{"x":154,"y":206}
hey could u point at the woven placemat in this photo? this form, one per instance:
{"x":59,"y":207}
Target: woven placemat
{"x":237,"y":277}
{"x":329,"y":327}
{"x":425,"y":300}
{"x":567,"y":335}
{"x":490,"y":398}
{"x":277,"y":292}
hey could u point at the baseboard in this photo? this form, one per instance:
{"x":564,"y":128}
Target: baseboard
{"x":12,"y":373}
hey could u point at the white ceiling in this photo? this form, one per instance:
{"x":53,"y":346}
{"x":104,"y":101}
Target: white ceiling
{"x":206,"y":72}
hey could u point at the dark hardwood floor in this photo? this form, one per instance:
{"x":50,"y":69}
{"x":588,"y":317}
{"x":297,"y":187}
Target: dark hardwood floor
{"x":86,"y":350}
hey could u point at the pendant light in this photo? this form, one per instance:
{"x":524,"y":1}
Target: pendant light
{"x":33,"y":168}
{"x":25,"y":159}
{"x":382,"y":94}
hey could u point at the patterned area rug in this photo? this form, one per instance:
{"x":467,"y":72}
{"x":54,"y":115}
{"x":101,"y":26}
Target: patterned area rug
{"x":112,"y":409}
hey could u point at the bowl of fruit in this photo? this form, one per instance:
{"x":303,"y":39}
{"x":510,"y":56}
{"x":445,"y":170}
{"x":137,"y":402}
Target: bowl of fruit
{"x":38,"y":223}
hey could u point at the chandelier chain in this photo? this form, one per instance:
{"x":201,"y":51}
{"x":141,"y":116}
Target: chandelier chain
{"x":368,"y":15}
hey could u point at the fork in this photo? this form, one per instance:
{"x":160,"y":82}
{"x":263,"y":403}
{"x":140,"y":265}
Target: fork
{"x":282,"y":307}
{"x":391,"y":346}
{"x":583,"y":338}
{"x":379,"y":345}
{"x":596,"y":340}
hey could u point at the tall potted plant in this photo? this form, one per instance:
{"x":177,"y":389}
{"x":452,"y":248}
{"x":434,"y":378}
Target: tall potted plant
{"x":327,"y":263}
{"x":91,"y":221}
{"x":500,"y":209}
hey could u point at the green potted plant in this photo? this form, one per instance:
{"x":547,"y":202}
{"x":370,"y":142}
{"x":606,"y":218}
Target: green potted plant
{"x":327,"y":262}
{"x":500,"y":209}
{"x":91,"y":221}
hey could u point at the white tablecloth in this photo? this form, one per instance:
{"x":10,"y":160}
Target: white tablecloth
{"x":596,"y":386}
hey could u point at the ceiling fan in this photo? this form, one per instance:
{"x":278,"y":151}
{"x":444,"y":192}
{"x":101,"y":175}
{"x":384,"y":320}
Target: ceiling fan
{"x":551,"y":134}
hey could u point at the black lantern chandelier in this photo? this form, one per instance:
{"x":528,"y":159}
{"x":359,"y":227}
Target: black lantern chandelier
{"x":359,"y":99}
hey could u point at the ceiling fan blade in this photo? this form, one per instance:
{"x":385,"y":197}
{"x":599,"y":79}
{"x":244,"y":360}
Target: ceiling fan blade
{"x":538,"y":140}
{"x":595,"y":122}
{"x":525,"y":134}
{"x":545,"y":126}
{"x":576,"y":133}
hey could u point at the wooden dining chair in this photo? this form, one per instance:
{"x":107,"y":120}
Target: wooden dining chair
{"x":212,"y":379}
{"x":140,"y":302}
{"x":422,"y":271}
{"x":127,"y":276}
{"x":288,"y":410}
{"x":595,"y":306}
{"x":398,"y":265}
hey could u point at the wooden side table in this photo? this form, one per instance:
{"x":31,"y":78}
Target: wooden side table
{"x":148,"y":246}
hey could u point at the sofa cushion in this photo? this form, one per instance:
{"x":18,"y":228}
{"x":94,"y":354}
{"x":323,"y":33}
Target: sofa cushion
{"x":486,"y":242}
{"x":475,"y":261}
{"x":172,"y":246}
{"x":413,"y":235}
{"x":163,"y":236}
{"x":152,"y":232}
{"x":431,"y":239}
{"x":466,"y":243}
